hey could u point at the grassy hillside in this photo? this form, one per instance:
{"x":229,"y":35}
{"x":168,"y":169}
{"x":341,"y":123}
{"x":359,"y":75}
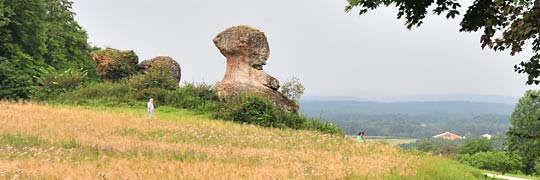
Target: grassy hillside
{"x":63,"y":142}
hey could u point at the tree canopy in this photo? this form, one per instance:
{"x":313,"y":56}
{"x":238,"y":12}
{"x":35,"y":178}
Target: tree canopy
{"x":38,"y":36}
{"x":506,"y":24}
{"x":473,"y":146}
{"x":523,"y":136}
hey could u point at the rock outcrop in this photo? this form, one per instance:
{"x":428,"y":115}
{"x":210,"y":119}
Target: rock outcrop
{"x":162,"y":63}
{"x":247,"y":50}
{"x":113,"y":64}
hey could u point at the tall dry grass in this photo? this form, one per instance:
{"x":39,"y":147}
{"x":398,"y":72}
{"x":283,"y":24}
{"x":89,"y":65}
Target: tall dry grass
{"x":63,"y":142}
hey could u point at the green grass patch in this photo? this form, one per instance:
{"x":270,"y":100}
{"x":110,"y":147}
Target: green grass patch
{"x":441,"y":168}
{"x":19,"y":140}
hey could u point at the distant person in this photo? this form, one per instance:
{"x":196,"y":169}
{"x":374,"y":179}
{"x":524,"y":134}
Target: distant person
{"x":150,"y":107}
{"x":360,"y":137}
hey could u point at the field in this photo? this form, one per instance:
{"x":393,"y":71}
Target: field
{"x":64,"y":142}
{"x":390,"y":140}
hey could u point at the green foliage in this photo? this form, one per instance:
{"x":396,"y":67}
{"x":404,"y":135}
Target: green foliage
{"x":322,"y":126}
{"x":418,"y":126}
{"x":159,"y":78}
{"x":21,"y":48}
{"x":158,"y":94}
{"x":55,"y":83}
{"x":496,"y":161}
{"x":201,"y":98}
{"x":101,"y":94}
{"x":66,"y":41}
{"x":437,"y":146}
{"x":293,"y":89}
{"x":473,"y":146}
{"x":506,"y":24}
{"x":524,"y":135}
{"x":251,"y":109}
{"x":426,"y":146}
{"x":254,"y":109}
{"x":38,"y":35}
{"x":19,"y":140}
{"x":194,"y":96}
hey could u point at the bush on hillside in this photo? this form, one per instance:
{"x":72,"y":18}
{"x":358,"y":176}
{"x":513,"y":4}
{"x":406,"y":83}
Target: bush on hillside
{"x":158,"y":94}
{"x":152,"y":79}
{"x":254,"y":109}
{"x":250,"y":109}
{"x":105,"y":93}
{"x":499,"y":161}
{"x":325,"y":127}
{"x":293,"y":89}
{"x":55,"y":83}
{"x":194,"y":96}
{"x":436,"y":146}
{"x":473,"y":146}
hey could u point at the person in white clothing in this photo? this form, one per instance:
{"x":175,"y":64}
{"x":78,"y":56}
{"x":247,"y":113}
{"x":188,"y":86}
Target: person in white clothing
{"x":150,"y":107}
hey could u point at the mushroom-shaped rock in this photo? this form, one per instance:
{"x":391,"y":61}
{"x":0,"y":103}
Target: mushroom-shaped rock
{"x":113,"y":64}
{"x":247,"y":50}
{"x":162,"y":63}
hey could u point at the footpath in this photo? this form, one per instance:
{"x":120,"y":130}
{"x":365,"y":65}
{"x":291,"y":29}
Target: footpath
{"x":504,"y":177}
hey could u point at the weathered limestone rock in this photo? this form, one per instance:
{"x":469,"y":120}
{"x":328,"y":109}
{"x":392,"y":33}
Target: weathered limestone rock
{"x":113,"y":64}
{"x":246,"y":50}
{"x":161,"y":63}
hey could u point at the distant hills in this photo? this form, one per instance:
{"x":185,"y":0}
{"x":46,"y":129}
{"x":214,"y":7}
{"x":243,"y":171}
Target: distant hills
{"x":455,"y":104}
{"x":419,"y":117}
{"x":422,"y":98}
{"x":314,"y":108}
{"x":460,"y":97}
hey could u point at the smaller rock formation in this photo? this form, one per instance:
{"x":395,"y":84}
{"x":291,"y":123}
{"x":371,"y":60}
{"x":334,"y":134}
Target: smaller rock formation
{"x":246,"y":50}
{"x":113,"y":64}
{"x":162,"y":63}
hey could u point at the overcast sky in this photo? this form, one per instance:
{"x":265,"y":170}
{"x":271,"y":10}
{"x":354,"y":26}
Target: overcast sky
{"x":331,"y":52}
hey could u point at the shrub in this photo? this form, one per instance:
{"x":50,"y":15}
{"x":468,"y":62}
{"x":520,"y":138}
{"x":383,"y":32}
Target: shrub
{"x":437,"y":146}
{"x":250,"y":109}
{"x":101,"y":93}
{"x":322,"y":126}
{"x":157,"y":93}
{"x":292,"y":89}
{"x":254,"y":109}
{"x":152,"y":79}
{"x":473,"y":146}
{"x":55,"y":83}
{"x":496,"y":161}
{"x":194,"y":96}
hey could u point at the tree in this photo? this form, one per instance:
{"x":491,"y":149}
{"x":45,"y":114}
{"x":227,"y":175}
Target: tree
{"x":66,"y":41}
{"x":507,"y":24}
{"x":426,"y":145}
{"x":494,"y":160}
{"x":473,"y":146}
{"x":293,"y":89}
{"x":524,"y":134}
{"x":21,"y":47}
{"x":36,"y":37}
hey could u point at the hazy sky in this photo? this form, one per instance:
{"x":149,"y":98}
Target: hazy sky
{"x":333,"y":53}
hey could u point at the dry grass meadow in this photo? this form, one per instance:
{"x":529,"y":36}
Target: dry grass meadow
{"x":40,"y":141}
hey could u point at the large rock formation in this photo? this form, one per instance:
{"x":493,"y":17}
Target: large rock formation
{"x":113,"y":64}
{"x":246,"y":50}
{"x":162,"y":63}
